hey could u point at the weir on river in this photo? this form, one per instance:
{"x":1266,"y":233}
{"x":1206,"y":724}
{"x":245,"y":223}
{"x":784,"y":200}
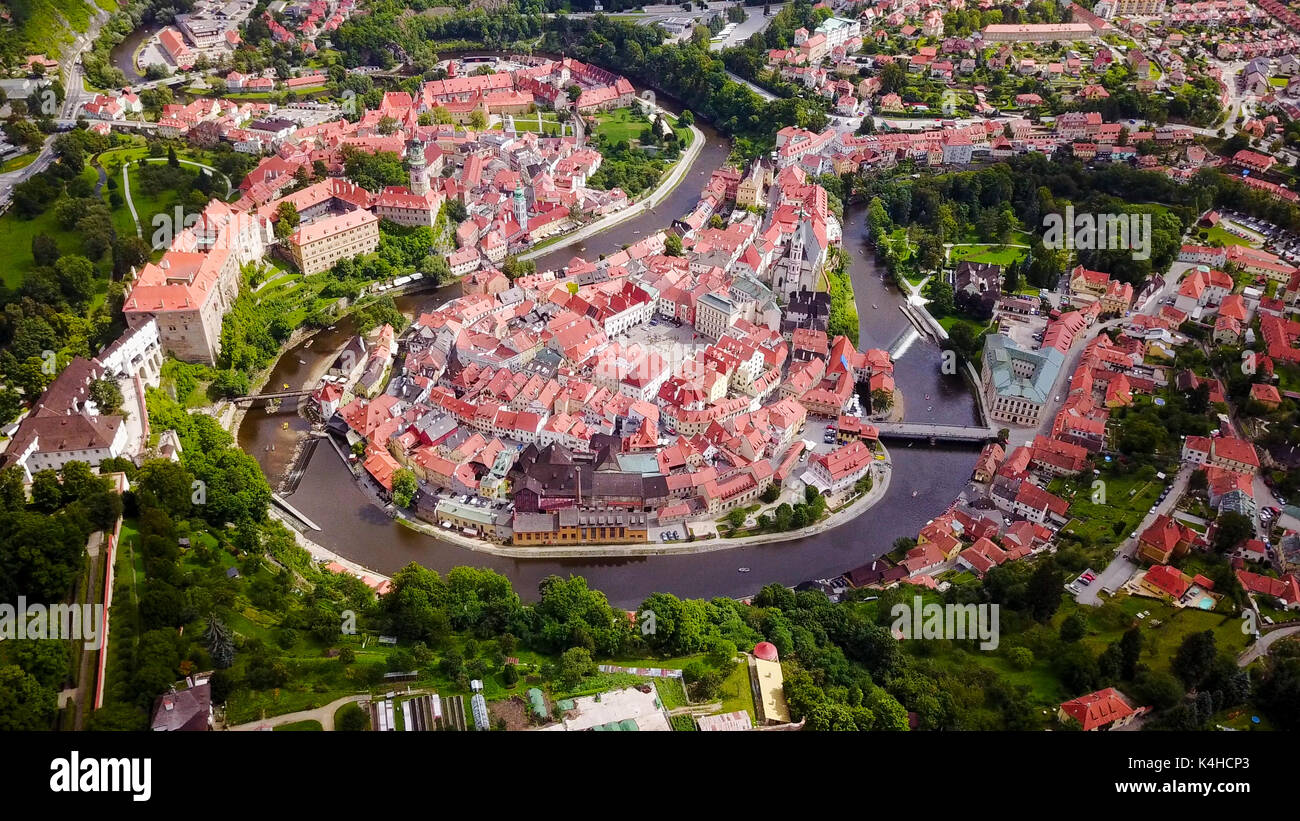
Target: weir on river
{"x":356,"y":528}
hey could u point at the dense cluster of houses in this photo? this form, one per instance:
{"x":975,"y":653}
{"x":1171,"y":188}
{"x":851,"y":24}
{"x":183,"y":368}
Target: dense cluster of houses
{"x":541,"y":411}
{"x":517,"y":188}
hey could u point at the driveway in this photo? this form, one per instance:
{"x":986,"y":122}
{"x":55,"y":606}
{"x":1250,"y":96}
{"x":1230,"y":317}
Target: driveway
{"x":1122,"y":567}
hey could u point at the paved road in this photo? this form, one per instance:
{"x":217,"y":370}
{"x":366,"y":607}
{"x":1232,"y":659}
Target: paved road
{"x":1260,"y":647}
{"x":759,"y":90}
{"x":76,"y":94}
{"x":325,"y":715}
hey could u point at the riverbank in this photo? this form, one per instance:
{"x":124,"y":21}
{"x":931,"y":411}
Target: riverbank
{"x":839,"y":517}
{"x":319,"y":553}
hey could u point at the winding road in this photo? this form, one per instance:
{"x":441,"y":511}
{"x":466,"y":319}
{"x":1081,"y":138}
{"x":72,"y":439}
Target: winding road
{"x":1260,"y":648}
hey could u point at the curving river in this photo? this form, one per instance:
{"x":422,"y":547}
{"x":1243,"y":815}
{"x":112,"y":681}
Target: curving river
{"x":356,"y":529}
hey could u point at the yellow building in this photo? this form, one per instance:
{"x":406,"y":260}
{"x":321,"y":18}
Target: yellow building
{"x":749,"y":193}
{"x":316,"y":247}
{"x":769,"y":685}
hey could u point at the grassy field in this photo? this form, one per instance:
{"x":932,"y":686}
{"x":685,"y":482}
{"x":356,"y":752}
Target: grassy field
{"x":736,"y":693}
{"x":949,"y":322}
{"x":16,"y":236}
{"x":16,"y":233}
{"x":619,"y":124}
{"x":626,"y":124}
{"x":1162,"y":632}
{"x":1002,"y":255}
{"x":671,"y":692}
{"x":1225,"y":238}
{"x":550,"y":125}
{"x":128,"y":572}
{"x":21,"y":161}
{"x":300,"y":726}
{"x":1127,"y":500}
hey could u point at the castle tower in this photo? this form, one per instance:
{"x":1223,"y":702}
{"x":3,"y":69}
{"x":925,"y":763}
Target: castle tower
{"x":521,"y":207}
{"x":419,"y":172}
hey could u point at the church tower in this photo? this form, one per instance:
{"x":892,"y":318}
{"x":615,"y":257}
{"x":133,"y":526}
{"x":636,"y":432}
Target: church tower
{"x":419,"y":172}
{"x":521,"y":207}
{"x":796,"y":241}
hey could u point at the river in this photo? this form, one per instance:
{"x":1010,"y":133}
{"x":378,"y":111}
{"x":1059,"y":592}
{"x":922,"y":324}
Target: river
{"x":123,"y":54}
{"x":356,"y":529}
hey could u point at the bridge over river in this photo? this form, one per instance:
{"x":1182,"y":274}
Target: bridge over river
{"x":936,"y":433}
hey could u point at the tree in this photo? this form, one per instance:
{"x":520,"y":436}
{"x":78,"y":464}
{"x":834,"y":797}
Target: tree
{"x":25,"y":704}
{"x":404,"y":487}
{"x":1073,"y":628}
{"x":44,"y":250}
{"x":47,"y":491}
{"x":1130,"y":647}
{"x":477,"y":120}
{"x":686,"y":118}
{"x":574,"y":91}
{"x":513,"y":268}
{"x":164,"y":484}
{"x":129,"y":252}
{"x":1043,"y":592}
{"x":941,"y":297}
{"x":736,"y":518}
{"x":881,"y":400}
{"x":1161,"y":690}
{"x":351,"y":719}
{"x":672,"y":245}
{"x":510,"y":675}
{"x":1231,"y":530}
{"x":46,"y":661}
{"x":76,"y":276}
{"x":117,"y":717}
{"x":13,"y":496}
{"x":575,"y":664}
{"x":107,"y":395}
{"x":287,"y":219}
{"x":220,"y":642}
{"x":1194,"y":658}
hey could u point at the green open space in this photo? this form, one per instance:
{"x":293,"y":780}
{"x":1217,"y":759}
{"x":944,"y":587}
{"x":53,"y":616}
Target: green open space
{"x":1106,"y":514}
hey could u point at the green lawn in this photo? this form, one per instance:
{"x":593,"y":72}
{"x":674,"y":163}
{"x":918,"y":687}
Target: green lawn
{"x":16,"y":233}
{"x":1127,"y":500}
{"x":300,"y":726}
{"x":736,"y":692}
{"x":620,"y":124}
{"x":1225,"y":238}
{"x":21,"y":161}
{"x":997,"y":254}
{"x":948,"y":322}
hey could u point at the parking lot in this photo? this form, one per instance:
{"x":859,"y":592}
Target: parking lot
{"x":1285,"y":244}
{"x":1025,"y":331}
{"x":668,"y":533}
